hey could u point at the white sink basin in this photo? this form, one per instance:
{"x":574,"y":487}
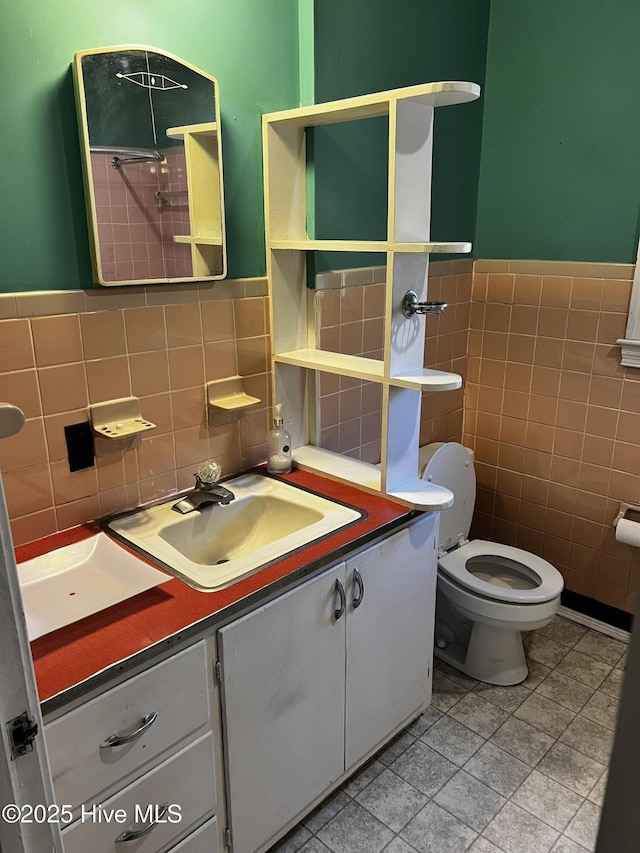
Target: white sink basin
{"x":215,"y":546}
{"x":78,"y":580}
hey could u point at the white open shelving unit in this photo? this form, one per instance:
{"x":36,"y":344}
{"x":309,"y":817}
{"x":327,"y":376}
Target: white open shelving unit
{"x":407,"y":248}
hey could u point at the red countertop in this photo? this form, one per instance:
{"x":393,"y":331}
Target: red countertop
{"x":78,"y":652}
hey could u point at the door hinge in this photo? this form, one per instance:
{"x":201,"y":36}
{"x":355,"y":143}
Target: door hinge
{"x":217,"y":673}
{"x":227,"y":837}
{"x":22,"y":732}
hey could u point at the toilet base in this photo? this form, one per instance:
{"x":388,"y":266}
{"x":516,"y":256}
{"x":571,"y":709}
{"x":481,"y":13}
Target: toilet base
{"x":493,"y":655}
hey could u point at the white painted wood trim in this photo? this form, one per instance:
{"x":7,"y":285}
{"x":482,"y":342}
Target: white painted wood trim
{"x":594,"y":624}
{"x":630,"y":344}
{"x":27,"y":779}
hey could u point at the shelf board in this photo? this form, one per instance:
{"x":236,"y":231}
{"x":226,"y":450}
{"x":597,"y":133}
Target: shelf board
{"x":197,"y":241}
{"x":334,"y":362}
{"x":427,"y":380}
{"x":209,"y":128}
{"x":369,"y":370}
{"x":368,"y":106}
{"x":417,"y":494}
{"x":436,"y":247}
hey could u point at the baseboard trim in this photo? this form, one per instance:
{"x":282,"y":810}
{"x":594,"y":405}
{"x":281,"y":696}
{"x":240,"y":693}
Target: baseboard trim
{"x":594,"y":624}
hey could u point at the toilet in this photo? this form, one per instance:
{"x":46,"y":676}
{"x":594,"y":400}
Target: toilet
{"x":487,"y":593}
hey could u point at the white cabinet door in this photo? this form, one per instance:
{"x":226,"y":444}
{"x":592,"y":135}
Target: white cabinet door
{"x":283,"y":700}
{"x":389,"y":635}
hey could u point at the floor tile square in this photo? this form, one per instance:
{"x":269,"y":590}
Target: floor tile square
{"x":507,"y":698}
{"x":453,"y":740}
{"x":477,"y":714}
{"x":598,"y":791}
{"x":392,"y":800}
{"x":355,"y":830}
{"x":602,"y":709}
{"x":537,"y":673}
{"x":566,"y":845}
{"x":547,"y":799}
{"x":590,"y":738}
{"x":433,"y":828}
{"x":565,"y":691}
{"x":584,"y":668}
{"x":399,"y":846}
{"x":483,"y":845}
{"x":424,"y":768}
{"x":583,"y":829}
{"x":326,"y":810}
{"x":446,"y":691}
{"x":612,"y":685}
{"x":470,"y":800}
{"x":571,"y":768}
{"x":497,"y":769}
{"x":424,"y":722}
{"x":562,"y":631}
{"x":362,"y":778}
{"x":603,"y":648}
{"x":293,"y":841}
{"x":516,"y":831}
{"x":544,"y":714}
{"x":395,"y":749}
{"x":522,"y":740}
{"x":544,"y":650}
{"x":314,"y":845}
{"x":462,"y":678}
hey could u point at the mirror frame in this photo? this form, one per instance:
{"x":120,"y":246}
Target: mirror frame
{"x":203,"y":154}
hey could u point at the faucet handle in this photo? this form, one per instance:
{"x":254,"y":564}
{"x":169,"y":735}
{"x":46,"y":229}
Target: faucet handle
{"x":208,"y":473}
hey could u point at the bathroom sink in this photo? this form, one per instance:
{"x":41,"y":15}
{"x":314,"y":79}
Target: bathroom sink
{"x":216,"y":545}
{"x":78,"y":580}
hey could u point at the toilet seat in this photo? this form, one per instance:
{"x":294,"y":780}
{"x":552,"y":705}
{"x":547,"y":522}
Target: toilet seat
{"x":453,"y":565}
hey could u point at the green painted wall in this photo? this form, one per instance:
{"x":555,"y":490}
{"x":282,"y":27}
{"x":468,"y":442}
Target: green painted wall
{"x":560,"y":175}
{"x":250,"y":46}
{"x":366,"y":46}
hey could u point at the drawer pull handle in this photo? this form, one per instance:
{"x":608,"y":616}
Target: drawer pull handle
{"x":358,"y":587}
{"x":118,"y":739}
{"x":343,"y":600}
{"x":135,"y":834}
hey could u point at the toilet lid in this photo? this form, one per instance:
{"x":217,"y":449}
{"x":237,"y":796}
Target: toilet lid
{"x":502,"y":572}
{"x":449,"y":464}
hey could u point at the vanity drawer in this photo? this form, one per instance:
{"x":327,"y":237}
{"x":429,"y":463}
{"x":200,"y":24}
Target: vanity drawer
{"x":175,"y":690}
{"x":184,"y":782}
{"x":203,"y":840}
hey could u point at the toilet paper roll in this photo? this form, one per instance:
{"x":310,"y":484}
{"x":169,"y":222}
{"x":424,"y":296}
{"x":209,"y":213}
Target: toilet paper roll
{"x":628,"y":532}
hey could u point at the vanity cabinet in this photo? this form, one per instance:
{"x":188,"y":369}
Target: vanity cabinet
{"x":321,"y":677}
{"x":144,"y":744}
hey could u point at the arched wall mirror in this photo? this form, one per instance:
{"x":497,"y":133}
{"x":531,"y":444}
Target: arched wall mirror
{"x":152,"y":157}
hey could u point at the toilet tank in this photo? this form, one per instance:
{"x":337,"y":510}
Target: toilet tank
{"x":449,"y":464}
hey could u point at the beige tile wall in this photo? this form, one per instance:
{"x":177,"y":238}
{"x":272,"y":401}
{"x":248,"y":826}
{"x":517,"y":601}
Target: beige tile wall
{"x":350,"y":319}
{"x":553,"y":418}
{"x":145,"y":344}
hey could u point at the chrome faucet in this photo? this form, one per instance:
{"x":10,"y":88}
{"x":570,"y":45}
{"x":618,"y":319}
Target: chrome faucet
{"x":205,"y":493}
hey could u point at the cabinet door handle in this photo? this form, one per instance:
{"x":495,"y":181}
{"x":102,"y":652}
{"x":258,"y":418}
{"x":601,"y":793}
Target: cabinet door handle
{"x":358,"y":588}
{"x":343,"y":600}
{"x":134,"y":834}
{"x":118,"y":739}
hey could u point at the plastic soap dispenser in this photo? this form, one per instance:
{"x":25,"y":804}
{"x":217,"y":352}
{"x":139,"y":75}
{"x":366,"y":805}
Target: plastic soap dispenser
{"x":279,"y":446}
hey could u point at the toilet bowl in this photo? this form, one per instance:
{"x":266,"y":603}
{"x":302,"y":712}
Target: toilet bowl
{"x":487,"y":593}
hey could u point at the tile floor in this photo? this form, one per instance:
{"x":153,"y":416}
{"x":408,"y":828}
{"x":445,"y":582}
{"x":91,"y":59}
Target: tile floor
{"x":488,"y":769}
